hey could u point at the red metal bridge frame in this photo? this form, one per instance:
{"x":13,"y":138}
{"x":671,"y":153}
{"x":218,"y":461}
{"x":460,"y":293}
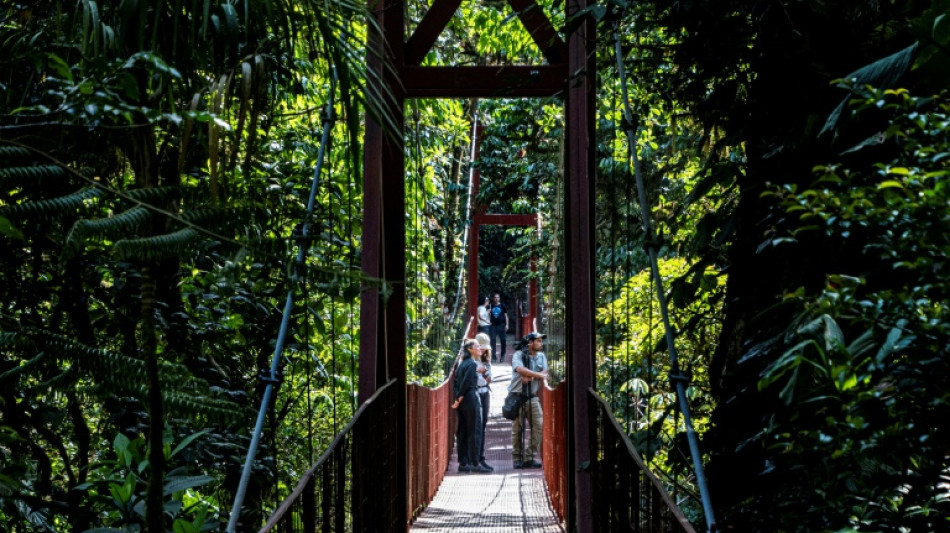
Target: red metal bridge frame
{"x":479,"y":219}
{"x":396,"y":74}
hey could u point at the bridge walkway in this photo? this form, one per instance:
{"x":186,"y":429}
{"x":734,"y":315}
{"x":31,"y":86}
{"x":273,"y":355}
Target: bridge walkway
{"x":505,"y":500}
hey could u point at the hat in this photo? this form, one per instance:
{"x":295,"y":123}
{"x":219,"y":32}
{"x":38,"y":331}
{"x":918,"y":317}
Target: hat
{"x":534,"y":335}
{"x":483,"y":339}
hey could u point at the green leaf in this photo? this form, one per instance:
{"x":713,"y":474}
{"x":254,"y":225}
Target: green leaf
{"x":181,"y":525}
{"x":883,"y":74}
{"x":8,"y":229}
{"x":59,"y":67}
{"x":121,"y":446}
{"x":175,"y":484}
{"x":893,"y":336}
{"x":187,"y":440}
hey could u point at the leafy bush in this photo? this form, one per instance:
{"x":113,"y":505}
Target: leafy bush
{"x":861,"y":443}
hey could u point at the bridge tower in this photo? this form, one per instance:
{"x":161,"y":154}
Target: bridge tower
{"x":396,"y":74}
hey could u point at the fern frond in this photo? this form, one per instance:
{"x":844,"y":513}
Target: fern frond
{"x":52,"y":208}
{"x":226,"y":220}
{"x":10,"y":154}
{"x":184,"y":395}
{"x":16,"y":176}
{"x":153,"y":195}
{"x":129,"y":222}
{"x":22,"y":368}
{"x":105,"y":365}
{"x":175,"y":244}
{"x":59,"y":382}
{"x":189,"y":404}
{"x":211,"y":216}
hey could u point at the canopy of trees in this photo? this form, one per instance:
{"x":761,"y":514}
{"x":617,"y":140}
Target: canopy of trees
{"x":156,"y":160}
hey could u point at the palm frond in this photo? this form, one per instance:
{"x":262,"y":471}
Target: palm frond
{"x":12,"y":154}
{"x":184,"y":393}
{"x":156,"y":248}
{"x":153,"y":195}
{"x":129,"y":222}
{"x":53,"y":208}
{"x":11,"y":177}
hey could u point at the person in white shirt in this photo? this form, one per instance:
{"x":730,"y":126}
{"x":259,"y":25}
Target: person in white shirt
{"x":483,"y":369}
{"x":484,"y":318}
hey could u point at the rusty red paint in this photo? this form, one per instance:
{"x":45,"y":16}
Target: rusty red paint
{"x":554,"y":404}
{"x":431,"y":425}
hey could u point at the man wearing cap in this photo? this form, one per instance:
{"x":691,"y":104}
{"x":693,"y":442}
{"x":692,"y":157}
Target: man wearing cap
{"x":529,"y":367}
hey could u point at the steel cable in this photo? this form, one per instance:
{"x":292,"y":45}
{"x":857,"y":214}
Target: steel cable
{"x":676,"y":376}
{"x":272,"y":377}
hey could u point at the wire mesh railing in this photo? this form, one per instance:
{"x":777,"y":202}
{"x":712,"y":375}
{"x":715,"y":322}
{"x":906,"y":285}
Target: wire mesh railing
{"x":353,"y":486}
{"x":554,"y":451}
{"x":626,"y":495}
{"x":431,"y":429}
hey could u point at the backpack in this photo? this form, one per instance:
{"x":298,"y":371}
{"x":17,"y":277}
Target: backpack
{"x":512,"y":406}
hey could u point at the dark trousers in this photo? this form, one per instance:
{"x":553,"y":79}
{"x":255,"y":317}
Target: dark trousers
{"x":485,"y":397}
{"x":498,"y":333}
{"x":468,"y":438}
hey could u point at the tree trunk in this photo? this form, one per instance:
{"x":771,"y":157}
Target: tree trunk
{"x":154,"y":506}
{"x":144,"y":162}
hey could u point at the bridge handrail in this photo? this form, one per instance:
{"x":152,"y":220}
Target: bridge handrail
{"x":431,"y":430}
{"x":331,"y":449}
{"x":602,"y":485}
{"x":429,"y":458}
{"x":431,"y":427}
{"x":554,"y":403}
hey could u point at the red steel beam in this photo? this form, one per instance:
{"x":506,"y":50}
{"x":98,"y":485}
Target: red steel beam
{"x":539,"y":27}
{"x":428,"y":30}
{"x":501,"y":219}
{"x":371,"y":262}
{"x":484,"y":82}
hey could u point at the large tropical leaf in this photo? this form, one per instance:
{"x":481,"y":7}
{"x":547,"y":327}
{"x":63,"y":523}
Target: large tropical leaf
{"x":883,"y":74}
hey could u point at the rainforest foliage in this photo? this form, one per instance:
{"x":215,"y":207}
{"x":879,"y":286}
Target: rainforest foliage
{"x":156,"y":161}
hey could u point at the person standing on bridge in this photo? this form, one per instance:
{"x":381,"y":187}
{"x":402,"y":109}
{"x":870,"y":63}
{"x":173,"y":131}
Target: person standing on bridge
{"x":468,"y":438}
{"x":484,"y":319}
{"x":499,"y":327}
{"x":483,"y":369}
{"x":529,"y":367}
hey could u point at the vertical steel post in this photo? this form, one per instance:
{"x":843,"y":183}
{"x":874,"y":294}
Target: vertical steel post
{"x":370,"y":316}
{"x":383,"y":318}
{"x":580,"y":242}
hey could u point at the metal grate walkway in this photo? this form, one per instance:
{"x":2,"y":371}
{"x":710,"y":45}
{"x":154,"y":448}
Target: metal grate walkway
{"x":505,"y":500}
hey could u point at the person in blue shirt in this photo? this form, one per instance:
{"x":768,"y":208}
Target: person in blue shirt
{"x":499,"y":327}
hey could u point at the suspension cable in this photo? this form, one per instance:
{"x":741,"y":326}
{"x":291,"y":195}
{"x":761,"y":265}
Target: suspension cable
{"x":463,"y":262}
{"x":272,"y":378}
{"x":676,"y":376}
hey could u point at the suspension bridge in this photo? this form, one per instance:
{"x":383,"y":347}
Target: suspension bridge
{"x":392,"y":466}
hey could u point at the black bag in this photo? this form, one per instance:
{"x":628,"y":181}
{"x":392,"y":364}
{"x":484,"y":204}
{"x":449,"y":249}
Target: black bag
{"x":512,"y":407}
